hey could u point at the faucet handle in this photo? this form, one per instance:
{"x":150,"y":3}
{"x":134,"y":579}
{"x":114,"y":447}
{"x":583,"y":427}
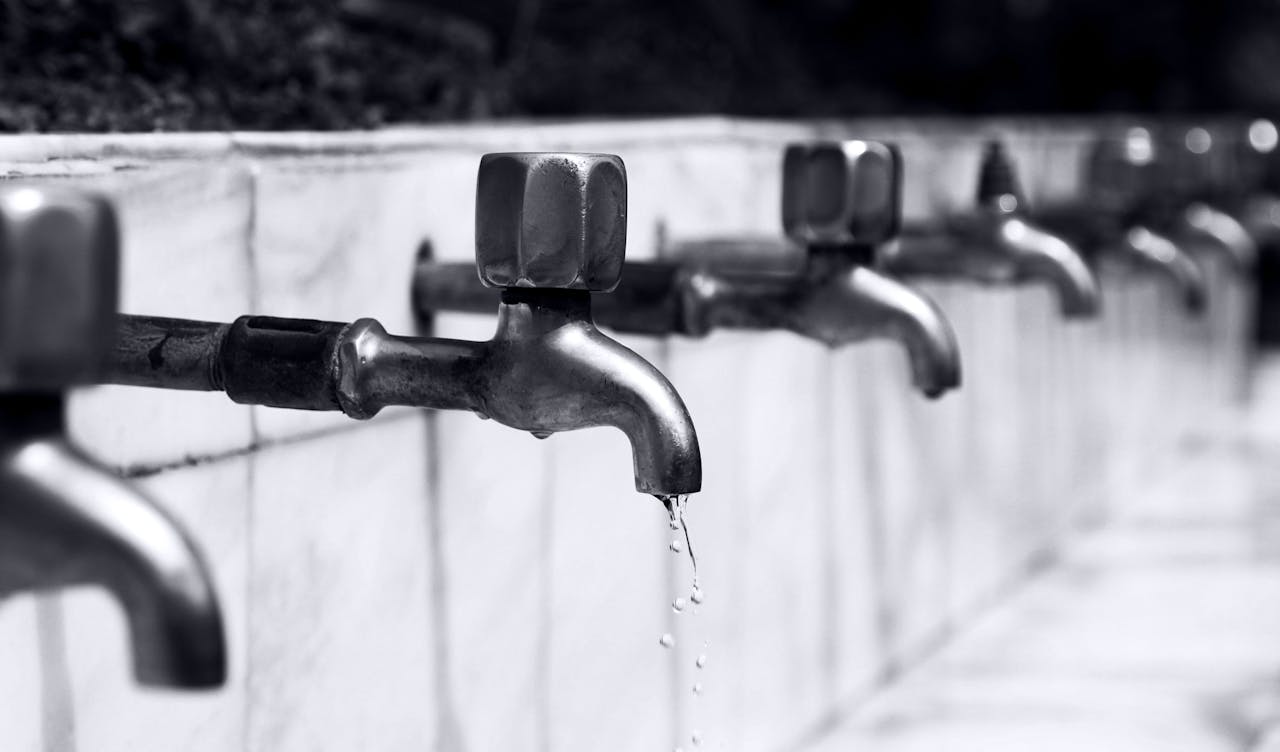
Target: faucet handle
{"x":842,"y":192}
{"x":1121,"y":168}
{"x":59,"y":269}
{"x":551,"y":220}
{"x":998,"y":179}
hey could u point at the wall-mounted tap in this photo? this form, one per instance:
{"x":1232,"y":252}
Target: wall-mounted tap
{"x":1106,"y":222}
{"x":1258,"y":197}
{"x":65,"y":519}
{"x":550,"y":230}
{"x":1199,"y":199}
{"x":996,"y":244}
{"x":842,"y":201}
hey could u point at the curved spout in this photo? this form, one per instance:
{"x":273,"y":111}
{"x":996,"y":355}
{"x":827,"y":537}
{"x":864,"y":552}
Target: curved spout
{"x":862,"y":304}
{"x":1155,"y":251}
{"x":995,"y":247}
{"x":64,"y":520}
{"x":1042,"y":255}
{"x":547,"y":369}
{"x":1226,"y":232}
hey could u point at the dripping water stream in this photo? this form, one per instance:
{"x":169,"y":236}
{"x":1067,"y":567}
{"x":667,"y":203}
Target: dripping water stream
{"x":675,"y":505}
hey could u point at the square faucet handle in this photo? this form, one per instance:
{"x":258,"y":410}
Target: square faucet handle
{"x":1121,"y":168}
{"x":551,"y":220}
{"x":842,"y":193}
{"x":59,"y":284}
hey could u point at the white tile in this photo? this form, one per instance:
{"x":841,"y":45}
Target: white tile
{"x":34,"y":696}
{"x":493,"y":510}
{"x":342,"y":640}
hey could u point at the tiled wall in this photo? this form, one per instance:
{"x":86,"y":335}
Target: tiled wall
{"x":438,"y":582}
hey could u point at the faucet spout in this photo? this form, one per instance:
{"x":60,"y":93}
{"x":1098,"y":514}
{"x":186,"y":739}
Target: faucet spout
{"x":1159,"y":252}
{"x":1038,"y":254}
{"x":65,"y":520}
{"x":865,"y":304}
{"x":1224,"y":231}
{"x":547,"y":369}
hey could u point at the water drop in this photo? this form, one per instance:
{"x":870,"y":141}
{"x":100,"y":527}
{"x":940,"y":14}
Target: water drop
{"x":540,"y":434}
{"x":675,"y":546}
{"x":674,"y":525}
{"x":702,"y":661}
{"x":666,"y":640}
{"x":696,"y":594}
{"x":677,"y":605}
{"x":696,"y":738}
{"x":697,"y":688}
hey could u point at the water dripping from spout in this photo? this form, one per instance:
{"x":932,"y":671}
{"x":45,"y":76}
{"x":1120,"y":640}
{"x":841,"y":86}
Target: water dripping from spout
{"x":675,"y":504}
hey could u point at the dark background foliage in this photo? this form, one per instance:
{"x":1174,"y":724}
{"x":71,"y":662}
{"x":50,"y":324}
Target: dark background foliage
{"x":96,"y":65}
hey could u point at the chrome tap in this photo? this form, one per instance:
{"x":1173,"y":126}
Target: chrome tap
{"x":550,"y":230}
{"x":842,"y":201}
{"x":65,"y":519}
{"x":1107,"y":221}
{"x":996,"y":244}
{"x":1198,"y":169}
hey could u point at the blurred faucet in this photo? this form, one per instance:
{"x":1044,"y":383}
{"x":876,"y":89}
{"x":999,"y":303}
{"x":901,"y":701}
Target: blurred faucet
{"x":1202,"y":196}
{"x":65,"y":519}
{"x":996,"y":244}
{"x":1107,"y":221}
{"x":842,"y":201}
{"x":550,"y":230}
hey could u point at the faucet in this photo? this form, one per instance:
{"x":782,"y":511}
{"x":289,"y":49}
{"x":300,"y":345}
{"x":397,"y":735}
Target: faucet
{"x":996,"y":244}
{"x":1201,"y":201}
{"x":1107,"y":221}
{"x":842,"y":201}
{"x":550,"y":231}
{"x":65,"y":519}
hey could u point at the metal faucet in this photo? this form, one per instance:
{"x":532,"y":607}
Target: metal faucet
{"x":550,"y":230}
{"x":1200,"y":201}
{"x":64,"y":518}
{"x":1107,"y":222}
{"x":842,"y":201}
{"x":996,"y":244}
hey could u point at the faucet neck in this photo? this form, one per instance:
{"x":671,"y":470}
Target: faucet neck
{"x":826,"y":259}
{"x":532,"y":312}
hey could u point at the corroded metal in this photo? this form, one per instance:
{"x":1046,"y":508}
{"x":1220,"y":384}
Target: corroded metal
{"x":996,"y":243}
{"x":65,"y":519}
{"x":547,"y":368}
{"x":842,"y":201}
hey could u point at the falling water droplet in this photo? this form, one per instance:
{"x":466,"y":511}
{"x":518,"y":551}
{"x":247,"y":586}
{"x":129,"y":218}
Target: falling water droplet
{"x":674,"y":525}
{"x":675,"y":546}
{"x":696,"y":738}
{"x":666,"y":640}
{"x":540,"y":434}
{"x":696,"y":594}
{"x":677,"y":605}
{"x":697,"y":688}
{"x":702,"y":661}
